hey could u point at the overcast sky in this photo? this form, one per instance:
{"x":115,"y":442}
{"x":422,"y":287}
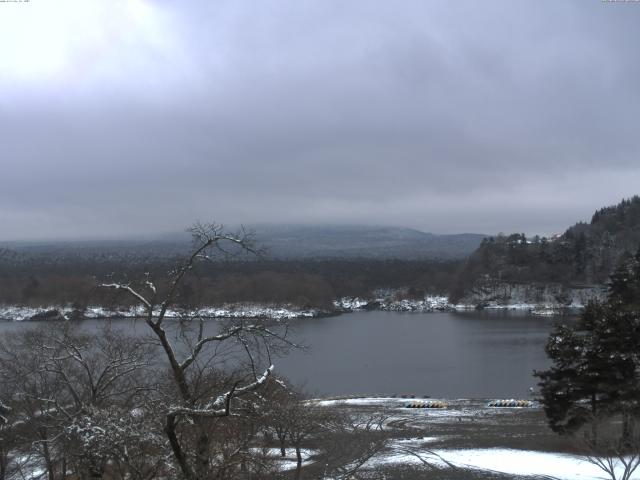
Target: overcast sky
{"x":141,"y":116}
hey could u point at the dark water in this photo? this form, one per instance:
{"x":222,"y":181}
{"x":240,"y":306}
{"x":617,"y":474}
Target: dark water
{"x":453,"y":355}
{"x":470,"y":354}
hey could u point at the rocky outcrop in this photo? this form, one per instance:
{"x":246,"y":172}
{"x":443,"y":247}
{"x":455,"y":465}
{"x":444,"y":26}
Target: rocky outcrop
{"x":50,"y":315}
{"x":393,"y":304}
{"x":488,"y":292}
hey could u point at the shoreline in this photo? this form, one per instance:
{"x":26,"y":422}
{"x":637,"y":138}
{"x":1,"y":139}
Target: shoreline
{"x":442,"y":304}
{"x":18,"y":313}
{"x":468,"y":439}
{"x":23,"y":313}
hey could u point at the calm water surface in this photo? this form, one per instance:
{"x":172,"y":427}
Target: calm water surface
{"x":452,"y":355}
{"x":462,"y":354}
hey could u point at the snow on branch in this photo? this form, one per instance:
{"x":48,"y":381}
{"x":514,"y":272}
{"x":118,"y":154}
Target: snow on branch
{"x":4,"y":410}
{"x":220,"y":407}
{"x":130,"y":291}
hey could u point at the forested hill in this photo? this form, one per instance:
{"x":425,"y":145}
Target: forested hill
{"x":586,"y":253}
{"x":358,"y":241}
{"x":281,"y":242}
{"x":306,"y":266}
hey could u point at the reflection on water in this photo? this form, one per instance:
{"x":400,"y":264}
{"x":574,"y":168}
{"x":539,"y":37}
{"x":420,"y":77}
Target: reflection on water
{"x":462,"y":354}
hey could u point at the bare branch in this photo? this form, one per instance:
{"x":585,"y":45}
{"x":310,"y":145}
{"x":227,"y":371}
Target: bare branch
{"x":130,"y":291}
{"x":220,"y":406}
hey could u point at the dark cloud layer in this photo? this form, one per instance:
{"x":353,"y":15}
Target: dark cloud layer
{"x":142,"y":116}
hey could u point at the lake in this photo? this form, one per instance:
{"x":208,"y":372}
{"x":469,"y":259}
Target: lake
{"x":444,"y":354}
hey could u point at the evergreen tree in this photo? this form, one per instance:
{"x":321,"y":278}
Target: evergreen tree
{"x":624,"y":287}
{"x":572,"y":388}
{"x":596,"y":363}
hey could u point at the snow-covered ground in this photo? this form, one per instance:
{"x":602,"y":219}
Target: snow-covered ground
{"x":398,"y":409}
{"x":362,"y":401}
{"x":28,"y":468}
{"x":289,"y":461}
{"x":500,"y":460}
{"x":445,"y":446}
{"x":508,"y":461}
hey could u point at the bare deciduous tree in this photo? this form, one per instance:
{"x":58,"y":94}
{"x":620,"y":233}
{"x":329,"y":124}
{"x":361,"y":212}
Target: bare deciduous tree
{"x":7,"y":442}
{"x":188,"y":418}
{"x":61,"y":382}
{"x":613,"y":444}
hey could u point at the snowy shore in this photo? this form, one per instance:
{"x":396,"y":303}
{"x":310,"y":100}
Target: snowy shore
{"x":442,"y":304}
{"x":386,"y":302}
{"x":23,"y":313}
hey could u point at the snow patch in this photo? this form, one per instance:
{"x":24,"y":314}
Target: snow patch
{"x":507,"y":461}
{"x":289,"y":461}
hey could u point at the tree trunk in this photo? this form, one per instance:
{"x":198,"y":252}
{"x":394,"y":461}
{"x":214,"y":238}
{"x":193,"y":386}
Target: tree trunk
{"x":243,"y":463}
{"x":594,"y":423}
{"x":627,"y":429}
{"x":46,"y":453}
{"x":3,"y":464}
{"x":178,"y":372}
{"x":96,"y":472}
{"x":298,"y":462}
{"x":202,"y":454}
{"x":170,"y":430}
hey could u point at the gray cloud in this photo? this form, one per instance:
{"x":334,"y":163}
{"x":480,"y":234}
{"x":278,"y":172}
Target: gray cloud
{"x":143,"y":116}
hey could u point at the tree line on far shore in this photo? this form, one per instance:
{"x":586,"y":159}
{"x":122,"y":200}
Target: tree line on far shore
{"x":586,"y":253}
{"x":302,"y":283}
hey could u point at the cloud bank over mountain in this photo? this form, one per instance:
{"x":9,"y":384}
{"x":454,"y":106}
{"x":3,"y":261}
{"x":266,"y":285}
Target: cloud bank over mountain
{"x":143,"y":116}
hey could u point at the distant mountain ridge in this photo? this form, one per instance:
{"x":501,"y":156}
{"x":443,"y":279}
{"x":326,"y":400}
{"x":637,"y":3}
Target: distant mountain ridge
{"x":296,"y":241}
{"x":286,"y":242}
